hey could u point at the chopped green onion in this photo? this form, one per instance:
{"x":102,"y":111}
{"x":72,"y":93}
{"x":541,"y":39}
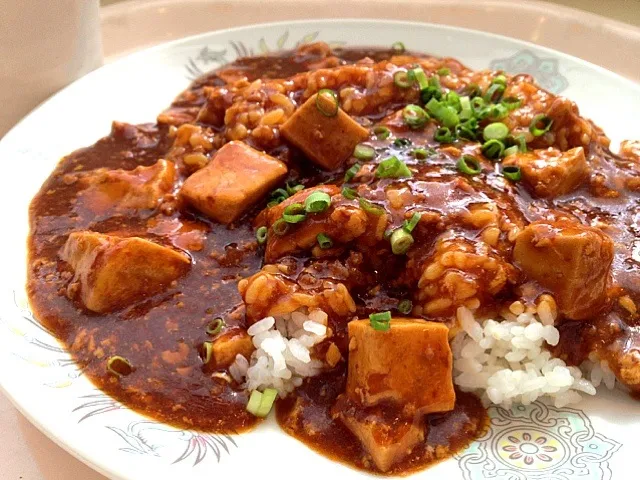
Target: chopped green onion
{"x":402,"y":79}
{"x":466,"y":130}
{"x":401,"y":142}
{"x":472,"y":90}
{"x":494,"y":93}
{"x":380,"y":321}
{"x":432,"y":91}
{"x":392,"y":167}
{"x":381,"y":132}
{"x":260,"y":404}
{"x":280,"y":227}
{"x":207,"y":352}
{"x":273,"y":203}
{"x":414,"y":116}
{"x":466,"y":112}
{"x":324,"y":241}
{"x":295,"y":189}
{"x":495,"y":131}
{"x":349,"y":174}
{"x":500,"y":80}
{"x":279,"y":195}
{"x":422,"y":153}
{"x":398,"y":47}
{"x":364,"y":152}
{"x":317,"y":202}
{"x":401,"y":241}
{"x":477,"y":103}
{"x":327,"y":102}
{"x":443,"y":135}
{"x":445,"y":114}
{"x":420,"y":78}
{"x":468,"y":165}
{"x":215,"y":326}
{"x":511,"y":103}
{"x":254,"y":402}
{"x":409,"y":225}
{"x":405,"y":306}
{"x":452,"y":99}
{"x":294,"y":213}
{"x":119,"y":366}
{"x":369,"y":207}
{"x":261,"y":235}
{"x":493,"y":149}
{"x":512,"y":172}
{"x":542,"y":120}
{"x":521,"y":141}
{"x":497,"y":112}
{"x":512,"y":150}
{"x":444,"y":71}
{"x":349,"y":193}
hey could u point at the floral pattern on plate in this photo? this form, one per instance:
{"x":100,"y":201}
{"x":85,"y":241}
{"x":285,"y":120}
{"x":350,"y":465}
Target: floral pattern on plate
{"x":545,"y":70}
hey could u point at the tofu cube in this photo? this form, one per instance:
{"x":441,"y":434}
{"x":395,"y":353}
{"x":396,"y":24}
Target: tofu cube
{"x":114,"y":272}
{"x":570,"y":259}
{"x":233,"y":181}
{"x":386,"y":442}
{"x":410,"y":364}
{"x":327,"y":141}
{"x":230,"y":344}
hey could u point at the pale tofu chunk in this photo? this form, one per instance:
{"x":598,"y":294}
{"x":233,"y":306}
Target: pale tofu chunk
{"x":114,"y":272}
{"x":230,"y":344}
{"x":387,"y":443}
{"x":571,"y":260}
{"x":142,"y":187}
{"x":233,"y":181}
{"x":409,"y":364}
{"x":341,"y":222}
{"x":551,"y":173}
{"x":327,"y":141}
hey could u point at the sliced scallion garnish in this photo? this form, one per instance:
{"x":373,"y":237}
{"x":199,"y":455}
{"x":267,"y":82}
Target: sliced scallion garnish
{"x":493,"y":149}
{"x":402,"y":79}
{"x":280,"y":227}
{"x":443,"y":135}
{"x":261,"y":235}
{"x":410,"y":224}
{"x":119,"y":366}
{"x":215,"y":326}
{"x":294,"y":213}
{"x":414,"y":116}
{"x":381,"y":132}
{"x":349,"y":193}
{"x":364,"y":152}
{"x":401,"y":241}
{"x":512,"y":172}
{"x":353,"y":170}
{"x":540,"y":125}
{"x":468,"y":165}
{"x":495,"y":131}
{"x":380,"y":321}
{"x":405,"y":306}
{"x":398,"y":47}
{"x":317,"y":202}
{"x":324,"y":241}
{"x":369,"y":207}
{"x":392,"y":167}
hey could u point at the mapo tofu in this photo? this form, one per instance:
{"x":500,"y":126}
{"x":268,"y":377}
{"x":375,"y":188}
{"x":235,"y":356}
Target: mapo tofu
{"x":379,"y":243}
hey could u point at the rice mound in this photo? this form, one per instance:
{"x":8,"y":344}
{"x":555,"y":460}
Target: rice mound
{"x":505,"y":362}
{"x":284,"y":351}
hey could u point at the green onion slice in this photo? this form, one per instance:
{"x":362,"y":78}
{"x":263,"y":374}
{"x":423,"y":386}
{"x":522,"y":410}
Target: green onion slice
{"x":295,"y":189}
{"x":495,"y":131}
{"x":511,"y":103}
{"x":414,"y":116}
{"x":500,"y":80}
{"x":260,"y":404}
{"x":317,"y":202}
{"x":410,"y":224}
{"x":392,"y":167}
{"x":468,"y":165}
{"x":445,"y":114}
{"x":401,"y":241}
{"x":401,"y":142}
{"x":398,"y":47}
{"x":521,"y":141}
{"x":466,"y":131}
{"x":494,"y":93}
{"x":512,"y":172}
{"x":453,"y":100}
{"x":402,"y":79}
{"x":349,"y":193}
{"x":472,"y":90}
{"x":215,"y":326}
{"x":540,"y":125}
{"x":119,"y":366}
{"x":497,"y":112}
{"x":418,"y":75}
{"x":510,"y":151}
{"x":261,"y":235}
{"x":327,"y":102}
{"x":324,"y":241}
{"x":280,"y":227}
{"x":493,"y":149}
{"x":444,"y":71}
{"x":369,"y":207}
{"x":466,"y":112}
{"x":364,"y":152}
{"x":381,"y":132}
{"x":294,"y":213}
{"x":405,"y":306}
{"x":207,"y":352}
{"x":444,"y":135}
{"x":422,"y":153}
{"x":349,"y":174}
{"x":380,"y":321}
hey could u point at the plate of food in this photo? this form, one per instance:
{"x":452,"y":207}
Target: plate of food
{"x":346,"y":247}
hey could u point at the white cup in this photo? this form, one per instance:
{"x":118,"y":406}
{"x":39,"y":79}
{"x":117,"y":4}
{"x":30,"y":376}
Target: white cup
{"x":44,"y":45}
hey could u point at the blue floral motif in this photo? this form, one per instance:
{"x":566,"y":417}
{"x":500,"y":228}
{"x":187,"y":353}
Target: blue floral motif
{"x":546,"y":71}
{"x":538,"y":442}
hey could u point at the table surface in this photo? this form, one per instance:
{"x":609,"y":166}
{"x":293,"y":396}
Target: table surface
{"x":27,"y":454}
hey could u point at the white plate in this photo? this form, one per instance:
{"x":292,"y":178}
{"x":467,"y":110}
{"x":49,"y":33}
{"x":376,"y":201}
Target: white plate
{"x":586,"y":443}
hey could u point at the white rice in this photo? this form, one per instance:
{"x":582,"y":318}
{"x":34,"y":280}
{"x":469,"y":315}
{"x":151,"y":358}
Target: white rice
{"x":505,"y":362}
{"x":283,"y":355}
